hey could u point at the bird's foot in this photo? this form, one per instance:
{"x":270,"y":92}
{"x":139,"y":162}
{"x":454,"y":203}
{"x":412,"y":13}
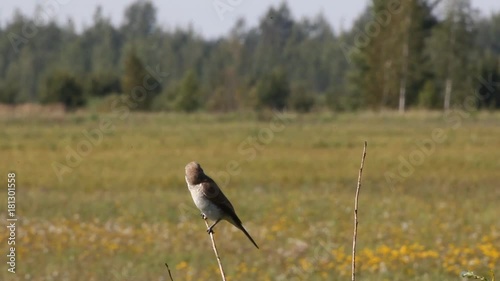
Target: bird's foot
{"x":210,"y":230}
{"x":203,"y":216}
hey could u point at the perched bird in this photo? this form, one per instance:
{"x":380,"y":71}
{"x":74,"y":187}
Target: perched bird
{"x":208,"y":197}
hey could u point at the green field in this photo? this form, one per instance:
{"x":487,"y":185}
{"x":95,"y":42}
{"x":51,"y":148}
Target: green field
{"x":119,"y":208}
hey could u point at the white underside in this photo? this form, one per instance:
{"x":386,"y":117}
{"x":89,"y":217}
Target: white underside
{"x":209,"y":209}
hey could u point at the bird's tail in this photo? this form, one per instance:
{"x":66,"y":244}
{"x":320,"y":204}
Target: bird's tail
{"x":247,"y":234}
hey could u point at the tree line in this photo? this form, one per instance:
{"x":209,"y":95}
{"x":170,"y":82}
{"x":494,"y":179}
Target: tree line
{"x":397,"y":55}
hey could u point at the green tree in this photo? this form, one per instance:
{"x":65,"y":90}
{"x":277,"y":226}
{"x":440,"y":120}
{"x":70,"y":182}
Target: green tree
{"x":489,"y":85}
{"x":273,"y":91}
{"x":137,"y":85}
{"x":451,"y":51}
{"x":64,"y":88}
{"x":8,"y":92}
{"x":488,"y":33}
{"x":300,"y":99}
{"x":275,"y":29}
{"x":10,"y":86}
{"x":390,"y":66}
{"x":189,"y":97}
{"x":140,"y":20}
{"x":74,"y":55}
{"x":134,"y":72}
{"x":102,"y":84}
{"x":428,"y":98}
{"x":105,"y":44}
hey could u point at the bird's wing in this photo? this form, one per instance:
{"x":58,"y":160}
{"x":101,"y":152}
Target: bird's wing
{"x":212,"y":191}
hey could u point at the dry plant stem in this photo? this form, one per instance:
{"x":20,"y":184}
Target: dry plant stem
{"x":169,"y":273}
{"x":355,"y":234}
{"x":216,"y":254}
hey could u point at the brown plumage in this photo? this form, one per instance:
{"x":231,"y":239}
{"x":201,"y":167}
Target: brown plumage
{"x":208,"y":197}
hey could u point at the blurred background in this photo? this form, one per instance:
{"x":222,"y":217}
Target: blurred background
{"x":103,"y":104}
{"x":224,"y":57}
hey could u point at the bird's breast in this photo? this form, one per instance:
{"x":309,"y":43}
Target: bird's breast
{"x":212,"y":211}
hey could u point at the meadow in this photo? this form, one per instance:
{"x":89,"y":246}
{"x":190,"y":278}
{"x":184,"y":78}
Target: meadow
{"x":103,"y":197}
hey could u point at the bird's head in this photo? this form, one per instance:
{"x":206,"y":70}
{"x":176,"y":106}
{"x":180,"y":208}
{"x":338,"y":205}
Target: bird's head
{"x":194,"y":173}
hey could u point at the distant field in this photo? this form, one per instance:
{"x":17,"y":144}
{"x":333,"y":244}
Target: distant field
{"x":118,"y":208}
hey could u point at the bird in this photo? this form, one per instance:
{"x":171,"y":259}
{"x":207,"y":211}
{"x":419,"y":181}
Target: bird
{"x":208,"y":197}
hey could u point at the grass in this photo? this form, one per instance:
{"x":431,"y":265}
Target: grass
{"x":123,"y":210}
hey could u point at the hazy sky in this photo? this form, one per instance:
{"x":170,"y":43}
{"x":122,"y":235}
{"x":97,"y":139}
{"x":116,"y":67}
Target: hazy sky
{"x":202,"y":14}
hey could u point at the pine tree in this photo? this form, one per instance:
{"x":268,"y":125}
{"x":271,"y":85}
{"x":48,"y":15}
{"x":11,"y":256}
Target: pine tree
{"x":134,"y":85}
{"x":273,"y":91}
{"x":450,"y":48}
{"x":64,"y":88}
{"x":189,"y":97}
{"x":390,"y":66}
